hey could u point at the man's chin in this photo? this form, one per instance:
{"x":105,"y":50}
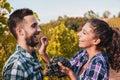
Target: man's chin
{"x":32,"y":41}
{"x":33,"y":44}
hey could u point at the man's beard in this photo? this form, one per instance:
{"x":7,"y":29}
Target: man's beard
{"x":30,"y":41}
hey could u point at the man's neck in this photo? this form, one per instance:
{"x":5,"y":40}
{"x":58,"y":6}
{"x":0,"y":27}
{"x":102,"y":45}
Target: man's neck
{"x":26,"y":47}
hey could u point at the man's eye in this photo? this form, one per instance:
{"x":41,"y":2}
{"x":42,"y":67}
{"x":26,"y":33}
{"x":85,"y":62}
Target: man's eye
{"x":33,"y":26}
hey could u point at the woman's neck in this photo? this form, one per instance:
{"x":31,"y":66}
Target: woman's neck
{"x":92,"y":52}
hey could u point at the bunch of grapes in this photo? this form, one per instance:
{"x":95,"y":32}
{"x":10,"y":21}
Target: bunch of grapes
{"x":53,"y":69}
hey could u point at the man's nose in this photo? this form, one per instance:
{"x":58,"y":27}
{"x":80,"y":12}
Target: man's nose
{"x":38,"y":29}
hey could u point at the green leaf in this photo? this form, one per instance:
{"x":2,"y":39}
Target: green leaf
{"x":8,"y":7}
{"x":36,"y":16}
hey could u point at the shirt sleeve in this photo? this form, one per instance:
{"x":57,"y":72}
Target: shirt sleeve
{"x":76,"y":58}
{"x":14,"y":72}
{"x":95,"y":72}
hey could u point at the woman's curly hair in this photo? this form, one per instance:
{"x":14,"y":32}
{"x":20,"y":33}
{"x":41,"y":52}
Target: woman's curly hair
{"x":110,"y":41}
{"x":113,"y":50}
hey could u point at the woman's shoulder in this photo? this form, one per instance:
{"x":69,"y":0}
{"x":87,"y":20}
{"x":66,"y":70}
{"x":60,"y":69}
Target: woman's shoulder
{"x":100,"y":58}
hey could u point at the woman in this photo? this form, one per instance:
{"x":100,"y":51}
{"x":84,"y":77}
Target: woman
{"x":101,"y":46}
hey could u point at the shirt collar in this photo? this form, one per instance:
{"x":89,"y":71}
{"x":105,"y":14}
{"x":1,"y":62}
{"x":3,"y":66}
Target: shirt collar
{"x":25,"y":53}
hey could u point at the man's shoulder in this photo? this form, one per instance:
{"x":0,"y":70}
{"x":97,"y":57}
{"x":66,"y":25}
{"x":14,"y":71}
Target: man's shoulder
{"x":13,"y":67}
{"x":15,"y":58}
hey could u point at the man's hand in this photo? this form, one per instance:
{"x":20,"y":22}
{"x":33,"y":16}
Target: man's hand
{"x":42,"y":48}
{"x":43,"y":45}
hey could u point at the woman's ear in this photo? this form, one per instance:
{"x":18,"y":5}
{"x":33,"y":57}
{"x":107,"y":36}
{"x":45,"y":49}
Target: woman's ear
{"x":97,"y":41}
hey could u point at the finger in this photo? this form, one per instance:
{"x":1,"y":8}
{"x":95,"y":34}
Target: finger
{"x":61,"y":65}
{"x":43,"y":39}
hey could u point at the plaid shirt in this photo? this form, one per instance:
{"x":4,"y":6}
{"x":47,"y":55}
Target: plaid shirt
{"x":22,"y":66}
{"x":97,"y":69}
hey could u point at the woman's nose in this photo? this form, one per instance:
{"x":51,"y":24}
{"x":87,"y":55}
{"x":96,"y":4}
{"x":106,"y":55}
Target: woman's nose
{"x":79,"y":33}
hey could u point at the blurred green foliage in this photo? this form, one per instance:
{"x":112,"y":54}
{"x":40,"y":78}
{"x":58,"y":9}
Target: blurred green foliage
{"x":7,"y":42}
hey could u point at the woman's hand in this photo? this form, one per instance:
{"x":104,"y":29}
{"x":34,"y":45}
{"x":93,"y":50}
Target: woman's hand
{"x":67,"y":71}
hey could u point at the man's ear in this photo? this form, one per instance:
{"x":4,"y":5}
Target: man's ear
{"x":19,"y":31}
{"x":97,"y":41}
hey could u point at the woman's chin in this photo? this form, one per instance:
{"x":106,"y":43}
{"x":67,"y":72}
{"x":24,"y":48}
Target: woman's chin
{"x":81,"y":46}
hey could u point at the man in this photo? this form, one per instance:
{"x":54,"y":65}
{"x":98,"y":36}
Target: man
{"x":23,"y":63}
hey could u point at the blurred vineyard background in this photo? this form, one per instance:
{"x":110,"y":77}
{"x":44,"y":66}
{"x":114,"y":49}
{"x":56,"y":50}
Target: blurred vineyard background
{"x":62,"y":34}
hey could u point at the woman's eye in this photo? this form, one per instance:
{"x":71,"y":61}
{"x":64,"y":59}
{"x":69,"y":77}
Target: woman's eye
{"x":84,"y":32}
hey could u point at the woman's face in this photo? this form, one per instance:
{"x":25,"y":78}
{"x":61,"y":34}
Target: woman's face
{"x":86,"y":36}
